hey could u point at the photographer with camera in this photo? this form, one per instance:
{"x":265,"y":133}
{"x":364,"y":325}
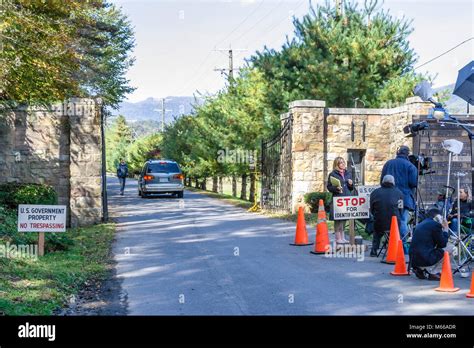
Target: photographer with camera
{"x":430,"y":240}
{"x":406,"y":180}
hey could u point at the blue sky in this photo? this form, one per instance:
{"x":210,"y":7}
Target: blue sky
{"x":176,"y":39}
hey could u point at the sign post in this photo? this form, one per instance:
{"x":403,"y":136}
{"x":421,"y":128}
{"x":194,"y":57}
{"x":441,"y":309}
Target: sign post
{"x":41,"y":244}
{"x":352,"y":232}
{"x":41,"y":218}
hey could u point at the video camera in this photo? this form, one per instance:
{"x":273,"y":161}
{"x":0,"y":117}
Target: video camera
{"x":415,"y":127}
{"x":423,"y":162}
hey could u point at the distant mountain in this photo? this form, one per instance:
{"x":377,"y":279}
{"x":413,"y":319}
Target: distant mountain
{"x":150,"y":109}
{"x":455,"y":105}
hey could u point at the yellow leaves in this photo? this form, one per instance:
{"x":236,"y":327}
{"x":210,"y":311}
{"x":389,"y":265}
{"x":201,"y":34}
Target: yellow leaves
{"x":355,"y":46}
{"x":40,"y":64}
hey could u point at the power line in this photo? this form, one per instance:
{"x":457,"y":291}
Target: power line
{"x":258,"y":22}
{"x":241,"y":23}
{"x":442,"y":54}
{"x":198,"y":75}
{"x":201,"y":65}
{"x":278,"y":23}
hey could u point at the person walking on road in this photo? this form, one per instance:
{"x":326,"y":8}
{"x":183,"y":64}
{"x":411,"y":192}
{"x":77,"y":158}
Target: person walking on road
{"x":339,"y":184}
{"x":122,"y":173}
{"x":385,"y":202}
{"x":406,"y":180}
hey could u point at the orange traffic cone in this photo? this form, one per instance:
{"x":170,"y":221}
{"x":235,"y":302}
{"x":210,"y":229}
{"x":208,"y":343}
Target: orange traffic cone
{"x":322,"y":238}
{"x":400,"y":267}
{"x":446,"y":283}
{"x":301,"y":237}
{"x":321,"y":211}
{"x":470,"y":294}
{"x":392,"y":242}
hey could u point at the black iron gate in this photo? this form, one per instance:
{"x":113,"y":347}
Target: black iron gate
{"x":277,"y":170}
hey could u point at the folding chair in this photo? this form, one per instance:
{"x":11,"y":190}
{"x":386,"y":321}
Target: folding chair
{"x":384,"y":241}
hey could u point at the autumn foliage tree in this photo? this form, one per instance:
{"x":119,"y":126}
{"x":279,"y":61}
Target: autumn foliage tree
{"x":53,"y":50}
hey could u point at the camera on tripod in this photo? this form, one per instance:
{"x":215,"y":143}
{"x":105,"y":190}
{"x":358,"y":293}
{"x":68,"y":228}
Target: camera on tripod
{"x":422,"y":162}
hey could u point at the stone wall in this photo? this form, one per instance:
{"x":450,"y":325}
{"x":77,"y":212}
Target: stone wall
{"x":60,"y":147}
{"x":321,"y":134}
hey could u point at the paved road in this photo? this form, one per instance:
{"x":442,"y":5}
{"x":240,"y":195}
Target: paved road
{"x":200,"y":256}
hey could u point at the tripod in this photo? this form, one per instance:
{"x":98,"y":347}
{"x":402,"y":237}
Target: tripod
{"x":463,"y":251}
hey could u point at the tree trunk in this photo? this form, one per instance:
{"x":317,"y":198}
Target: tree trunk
{"x":214,"y":184}
{"x":252,"y":187}
{"x":196,"y":184}
{"x":204,"y":184}
{"x":221,"y":186}
{"x":190,"y":182}
{"x":243,"y":192}
{"x":234,"y":186}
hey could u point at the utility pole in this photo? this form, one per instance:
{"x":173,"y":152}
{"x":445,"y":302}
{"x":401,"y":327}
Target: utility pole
{"x":230,"y":51}
{"x":163,"y":111}
{"x":231,"y":65}
{"x":339,"y":8}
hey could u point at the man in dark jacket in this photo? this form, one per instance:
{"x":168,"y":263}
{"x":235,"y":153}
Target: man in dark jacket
{"x":430,"y":240}
{"x":385,"y":202}
{"x":122,"y":173}
{"x":406,"y":178}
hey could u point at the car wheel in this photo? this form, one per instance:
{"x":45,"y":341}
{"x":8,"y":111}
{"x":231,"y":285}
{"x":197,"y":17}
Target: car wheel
{"x":144,"y":195}
{"x":181,"y":194}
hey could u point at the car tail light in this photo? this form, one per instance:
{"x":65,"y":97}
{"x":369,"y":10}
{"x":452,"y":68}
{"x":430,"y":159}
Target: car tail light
{"x":148,"y":177}
{"x":178,"y":176}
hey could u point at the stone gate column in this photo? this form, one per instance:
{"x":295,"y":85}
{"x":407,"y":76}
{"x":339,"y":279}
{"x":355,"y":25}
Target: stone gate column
{"x":308,"y":147}
{"x":85,"y":167}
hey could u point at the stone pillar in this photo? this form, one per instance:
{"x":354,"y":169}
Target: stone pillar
{"x":307,"y":148}
{"x":85,"y":162}
{"x":7,"y":151}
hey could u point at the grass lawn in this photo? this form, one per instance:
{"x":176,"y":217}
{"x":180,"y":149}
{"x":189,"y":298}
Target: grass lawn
{"x":38,"y":287}
{"x":225,"y":197}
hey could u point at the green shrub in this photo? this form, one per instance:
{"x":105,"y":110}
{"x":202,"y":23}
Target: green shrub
{"x":13,"y":194}
{"x":312,"y":198}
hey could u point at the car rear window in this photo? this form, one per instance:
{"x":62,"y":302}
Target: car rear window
{"x":164,"y":167}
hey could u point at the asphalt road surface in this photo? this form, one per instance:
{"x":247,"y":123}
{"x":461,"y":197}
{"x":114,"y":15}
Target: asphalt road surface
{"x":200,"y":256}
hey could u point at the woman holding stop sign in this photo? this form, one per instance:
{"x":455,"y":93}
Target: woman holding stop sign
{"x":339,"y":184}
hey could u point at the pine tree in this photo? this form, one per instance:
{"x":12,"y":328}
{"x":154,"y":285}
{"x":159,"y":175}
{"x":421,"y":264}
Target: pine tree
{"x":339,"y":59}
{"x":118,"y":138}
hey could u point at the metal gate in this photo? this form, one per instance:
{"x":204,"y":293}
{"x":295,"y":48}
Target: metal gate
{"x":276,"y":170}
